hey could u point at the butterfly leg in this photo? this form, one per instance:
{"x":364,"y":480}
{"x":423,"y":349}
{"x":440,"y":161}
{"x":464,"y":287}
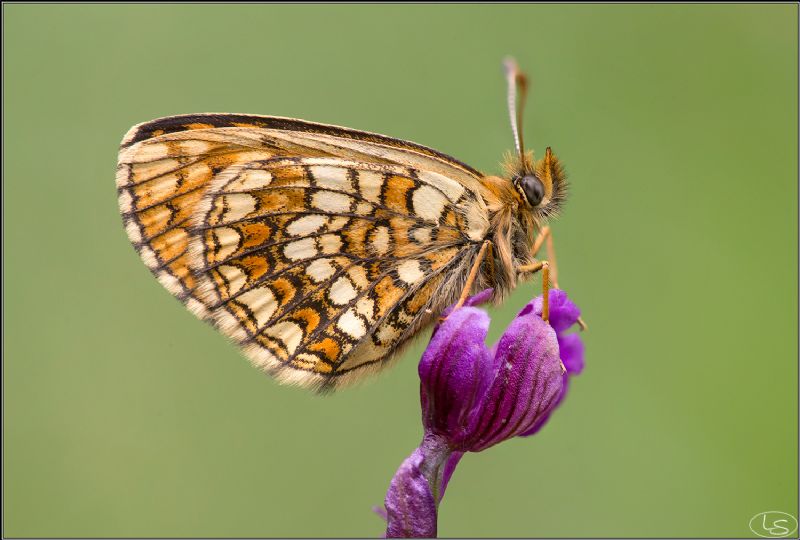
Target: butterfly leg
{"x":547,"y":279}
{"x":473,"y":273}
{"x":545,"y":291}
{"x":545,"y":237}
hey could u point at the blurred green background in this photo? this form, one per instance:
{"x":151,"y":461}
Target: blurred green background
{"x":126,"y":416}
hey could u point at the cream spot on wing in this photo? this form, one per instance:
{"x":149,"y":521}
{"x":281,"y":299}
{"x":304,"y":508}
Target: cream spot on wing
{"x":477,"y":222}
{"x":448,"y":186}
{"x":125,"y":201}
{"x":197,"y":308}
{"x":235,"y":278}
{"x":170,"y":282}
{"x":342,"y":291}
{"x":351,"y":324}
{"x":261,"y":357}
{"x":366,"y":307}
{"x":320,"y":270}
{"x":369,"y":184}
{"x":261,"y":302}
{"x":134,"y":233}
{"x":229,"y":324}
{"x":330,"y":243}
{"x":428,"y":203}
{"x":305,"y":225}
{"x":422,"y":235}
{"x":380,"y":240}
{"x":123,"y":176}
{"x":329,"y":201}
{"x":145,"y":171}
{"x":288,"y":332}
{"x":250,"y":179}
{"x":149,"y":258}
{"x":194,"y":147}
{"x":363,"y":209}
{"x":143,"y":152}
{"x":410,"y":272}
{"x":228,"y":241}
{"x":238,"y":206}
{"x":300,"y":249}
{"x":335,"y":178}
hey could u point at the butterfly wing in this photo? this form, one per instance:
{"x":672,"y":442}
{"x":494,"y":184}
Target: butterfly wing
{"x":296,"y":137}
{"x":320,"y":266}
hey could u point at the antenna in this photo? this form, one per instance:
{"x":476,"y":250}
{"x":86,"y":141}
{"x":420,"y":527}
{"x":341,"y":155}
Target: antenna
{"x":517,"y":86}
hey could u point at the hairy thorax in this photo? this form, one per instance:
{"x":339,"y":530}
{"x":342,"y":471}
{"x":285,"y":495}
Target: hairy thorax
{"x":512,"y":230}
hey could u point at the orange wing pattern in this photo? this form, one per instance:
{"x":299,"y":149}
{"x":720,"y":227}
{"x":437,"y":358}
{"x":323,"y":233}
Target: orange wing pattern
{"x":319,"y":254}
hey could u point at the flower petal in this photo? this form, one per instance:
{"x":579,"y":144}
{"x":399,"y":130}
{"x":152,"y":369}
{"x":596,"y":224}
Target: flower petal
{"x":455,"y":372}
{"x":571,"y":350}
{"x":527,"y":380}
{"x":542,"y":420}
{"x":480,"y":298}
{"x":410,"y":508}
{"x":475,"y":300}
{"x":563,"y":312}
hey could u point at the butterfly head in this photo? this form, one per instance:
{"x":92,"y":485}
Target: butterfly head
{"x":541,"y":185}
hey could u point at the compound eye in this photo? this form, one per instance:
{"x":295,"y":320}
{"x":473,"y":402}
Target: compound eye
{"x":533,"y":189}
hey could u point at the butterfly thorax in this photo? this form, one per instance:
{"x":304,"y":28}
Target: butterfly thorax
{"x":512,"y":230}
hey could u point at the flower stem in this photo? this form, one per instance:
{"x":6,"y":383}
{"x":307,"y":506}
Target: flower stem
{"x":436,"y":452}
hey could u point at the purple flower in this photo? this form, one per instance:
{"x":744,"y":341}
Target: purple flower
{"x":474,"y":397}
{"x":563,"y":315}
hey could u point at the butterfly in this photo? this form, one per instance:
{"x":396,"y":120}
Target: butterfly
{"x":322,"y":250}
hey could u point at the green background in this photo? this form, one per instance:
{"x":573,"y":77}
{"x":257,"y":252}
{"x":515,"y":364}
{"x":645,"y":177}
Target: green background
{"x":126,"y":416}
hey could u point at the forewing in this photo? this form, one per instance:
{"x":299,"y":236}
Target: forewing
{"x":160,"y":181}
{"x":320,"y":268}
{"x":302,"y":138}
{"x":287,"y":219}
